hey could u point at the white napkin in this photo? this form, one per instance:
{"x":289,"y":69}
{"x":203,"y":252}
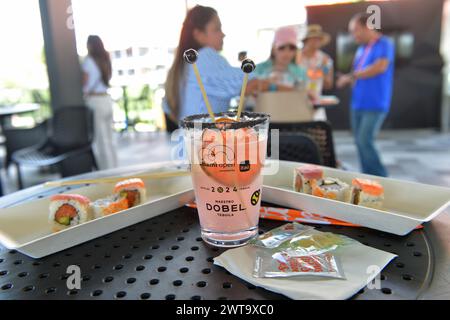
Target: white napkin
{"x":358,"y":261}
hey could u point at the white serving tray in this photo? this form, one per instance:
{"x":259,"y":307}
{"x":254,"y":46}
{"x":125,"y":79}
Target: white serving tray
{"x":406,"y":204}
{"x":25,"y":227}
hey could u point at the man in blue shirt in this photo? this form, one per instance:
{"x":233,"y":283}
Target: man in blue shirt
{"x":372,"y":80}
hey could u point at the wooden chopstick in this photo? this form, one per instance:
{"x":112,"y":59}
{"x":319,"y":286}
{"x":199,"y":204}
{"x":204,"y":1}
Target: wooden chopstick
{"x":150,"y":175}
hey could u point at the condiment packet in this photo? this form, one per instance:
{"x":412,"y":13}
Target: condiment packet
{"x":277,"y":236}
{"x":291,"y":263}
{"x":315,"y":242}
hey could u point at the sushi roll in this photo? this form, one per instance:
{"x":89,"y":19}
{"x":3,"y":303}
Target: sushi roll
{"x":132,"y":189}
{"x":67,"y":210}
{"x":305,"y":176}
{"x":334,"y":189}
{"x":110,"y":205}
{"x":367,"y":193}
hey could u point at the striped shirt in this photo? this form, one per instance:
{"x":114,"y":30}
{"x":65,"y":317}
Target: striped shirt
{"x":222,"y":82}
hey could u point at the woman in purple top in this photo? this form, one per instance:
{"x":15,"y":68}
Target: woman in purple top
{"x":372,"y":80}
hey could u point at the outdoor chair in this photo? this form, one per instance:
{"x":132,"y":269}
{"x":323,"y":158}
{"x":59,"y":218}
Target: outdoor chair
{"x":20,"y":138}
{"x":297,"y":147}
{"x":319,"y":131}
{"x":68,"y":144}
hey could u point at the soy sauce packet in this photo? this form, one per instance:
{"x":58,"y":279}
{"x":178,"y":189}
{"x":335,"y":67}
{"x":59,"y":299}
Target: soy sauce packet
{"x":292,"y":263}
{"x":277,"y":236}
{"x":297,"y":250}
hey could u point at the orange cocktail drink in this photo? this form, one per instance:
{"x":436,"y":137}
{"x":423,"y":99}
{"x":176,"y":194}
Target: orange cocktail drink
{"x":226,"y":161}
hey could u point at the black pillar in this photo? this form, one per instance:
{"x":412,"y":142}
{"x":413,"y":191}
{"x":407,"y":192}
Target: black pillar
{"x":63,"y":64}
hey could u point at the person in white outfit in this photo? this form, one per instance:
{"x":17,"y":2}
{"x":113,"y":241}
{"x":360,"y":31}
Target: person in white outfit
{"x":97,"y":72}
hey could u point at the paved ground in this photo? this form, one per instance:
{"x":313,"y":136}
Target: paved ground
{"x":417,"y":155}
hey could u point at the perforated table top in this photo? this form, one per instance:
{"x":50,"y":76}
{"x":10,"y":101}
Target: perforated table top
{"x":165,"y":258}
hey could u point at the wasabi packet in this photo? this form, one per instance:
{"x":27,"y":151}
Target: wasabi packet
{"x":277,"y":236}
{"x":315,"y":242}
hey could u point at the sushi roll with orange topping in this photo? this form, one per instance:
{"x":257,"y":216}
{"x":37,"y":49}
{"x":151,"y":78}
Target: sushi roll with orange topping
{"x":334,"y":189}
{"x":110,"y":205}
{"x":68,"y":210}
{"x":132,"y":189}
{"x":306,"y":176}
{"x":367,"y":193}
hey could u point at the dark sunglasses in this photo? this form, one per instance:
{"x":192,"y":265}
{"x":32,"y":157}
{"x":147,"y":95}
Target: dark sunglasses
{"x":291,"y":47}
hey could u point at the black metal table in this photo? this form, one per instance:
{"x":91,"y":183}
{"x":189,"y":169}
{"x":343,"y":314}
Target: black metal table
{"x":164,"y":258}
{"x":7,"y":111}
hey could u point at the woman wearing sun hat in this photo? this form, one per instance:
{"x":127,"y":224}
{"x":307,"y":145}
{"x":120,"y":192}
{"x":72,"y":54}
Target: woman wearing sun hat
{"x":318,"y":65}
{"x":280,"y":69}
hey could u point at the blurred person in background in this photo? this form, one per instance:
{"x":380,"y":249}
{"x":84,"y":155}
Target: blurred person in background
{"x":280,"y":70}
{"x":97,"y":72}
{"x":318,"y":65}
{"x":372,"y":81}
{"x":242,"y":55}
{"x":202,"y":31}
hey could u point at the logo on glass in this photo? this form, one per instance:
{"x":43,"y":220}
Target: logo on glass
{"x":244,"y":166}
{"x":255,"y":197}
